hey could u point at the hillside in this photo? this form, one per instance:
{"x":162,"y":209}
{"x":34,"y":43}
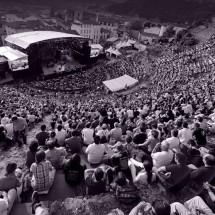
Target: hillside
{"x":178,"y":11}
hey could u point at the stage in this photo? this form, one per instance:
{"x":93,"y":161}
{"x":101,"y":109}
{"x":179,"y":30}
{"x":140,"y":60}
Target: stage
{"x":55,"y":68}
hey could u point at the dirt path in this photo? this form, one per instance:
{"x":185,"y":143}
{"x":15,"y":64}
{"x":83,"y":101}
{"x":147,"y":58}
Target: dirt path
{"x":16,"y":154}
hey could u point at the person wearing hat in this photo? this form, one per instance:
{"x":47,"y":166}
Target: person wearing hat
{"x":103,"y":132}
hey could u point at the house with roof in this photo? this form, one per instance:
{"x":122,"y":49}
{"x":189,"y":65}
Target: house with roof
{"x":108,"y":23}
{"x":88,"y":28}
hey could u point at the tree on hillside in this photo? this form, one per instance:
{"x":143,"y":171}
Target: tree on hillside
{"x":169,"y":32}
{"x":147,"y":24}
{"x":136,"y":25}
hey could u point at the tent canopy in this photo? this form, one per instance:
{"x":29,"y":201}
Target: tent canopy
{"x":11,"y":54}
{"x":96,"y":46}
{"x":120,"y":83}
{"x":25,"y":39}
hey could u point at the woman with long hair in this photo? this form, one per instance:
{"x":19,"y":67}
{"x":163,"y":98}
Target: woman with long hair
{"x":146,"y":176}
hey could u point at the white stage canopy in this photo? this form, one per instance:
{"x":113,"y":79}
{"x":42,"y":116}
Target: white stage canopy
{"x":25,"y":39}
{"x":120,"y":83}
{"x":11,"y":54}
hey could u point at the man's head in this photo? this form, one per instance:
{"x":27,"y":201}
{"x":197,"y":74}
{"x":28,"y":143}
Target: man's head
{"x":104,"y":126}
{"x":185,"y":125}
{"x":155,"y":134}
{"x":50,"y":144}
{"x":161,"y":207}
{"x":59,"y":127}
{"x":209,"y":160}
{"x":99,"y":174}
{"x":33,"y":146}
{"x":97,"y":139}
{"x":174,"y":133}
{"x":40,"y":156}
{"x":116,"y":124}
{"x":14,"y":118}
{"x":164,"y":146}
{"x":11,"y":167}
{"x":196,"y":125}
{"x":43,"y":127}
{"x":180,"y":158}
{"x":121,"y":179}
{"x":88,"y":125}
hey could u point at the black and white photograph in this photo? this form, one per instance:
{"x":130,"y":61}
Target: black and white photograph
{"x":107,"y":107}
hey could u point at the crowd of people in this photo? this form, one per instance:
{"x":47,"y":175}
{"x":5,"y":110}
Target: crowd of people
{"x":159,"y":135}
{"x":93,"y":78}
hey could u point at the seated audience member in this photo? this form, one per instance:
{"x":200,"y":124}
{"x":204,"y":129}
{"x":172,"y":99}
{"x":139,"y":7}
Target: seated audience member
{"x":140,"y":138}
{"x":61,"y":135}
{"x":52,"y":138}
{"x":103,"y":132}
{"x":87,"y":134}
{"x":42,"y":136}
{"x":7,"y":200}
{"x":174,"y":140}
{"x":161,"y":207}
{"x":11,"y":180}
{"x":73,"y":144}
{"x":95,"y":152}
{"x":116,"y":132}
{"x":37,"y":207}
{"x":194,"y":155}
{"x":199,"y":135}
{"x":20,"y":128}
{"x":185,"y":134}
{"x":208,"y":195}
{"x":73,"y":170}
{"x":163,"y":158}
{"x":146,"y":176}
{"x":150,"y":143}
{"x":30,"y":155}
{"x":174,"y":177}
{"x":97,"y":180}
{"x":9,"y":129}
{"x":6,"y":140}
{"x":120,"y":160}
{"x":203,"y":174}
{"x":43,"y":173}
{"x":125,"y":193}
{"x":55,"y":155}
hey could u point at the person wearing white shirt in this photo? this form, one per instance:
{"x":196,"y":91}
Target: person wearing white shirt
{"x":4,"y":120}
{"x":174,"y":140}
{"x":6,"y":201}
{"x":130,"y":113}
{"x":163,"y":158}
{"x":61,"y":135}
{"x":95,"y":151}
{"x":185,"y":134}
{"x":87,"y":134}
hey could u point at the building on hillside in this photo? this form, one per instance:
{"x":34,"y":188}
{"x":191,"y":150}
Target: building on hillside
{"x":21,"y":26}
{"x":88,"y":28}
{"x":63,"y":24}
{"x":14,"y":16}
{"x":109,"y":24}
